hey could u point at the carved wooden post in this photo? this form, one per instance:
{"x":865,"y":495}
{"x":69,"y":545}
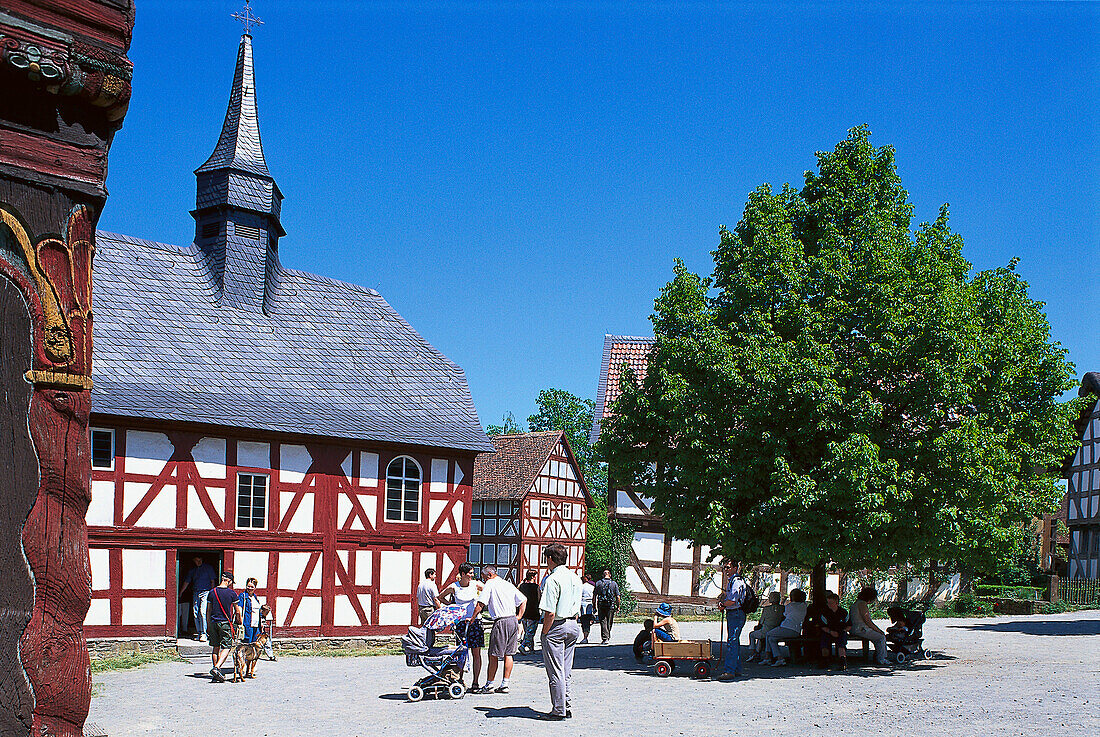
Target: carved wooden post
{"x":64,"y":86}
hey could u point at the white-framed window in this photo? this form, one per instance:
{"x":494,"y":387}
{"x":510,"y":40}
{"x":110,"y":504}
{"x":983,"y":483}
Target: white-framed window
{"x":544,"y":508}
{"x":103,"y":448}
{"x":475,"y":525}
{"x":251,"y":501}
{"x":475,"y":554}
{"x":403,"y":477}
{"x":489,"y":527}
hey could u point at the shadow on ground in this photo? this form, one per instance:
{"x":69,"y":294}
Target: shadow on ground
{"x":520,"y":712}
{"x":1078,"y":628}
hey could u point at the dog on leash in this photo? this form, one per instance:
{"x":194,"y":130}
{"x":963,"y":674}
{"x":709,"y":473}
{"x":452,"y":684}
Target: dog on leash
{"x":246,"y":655}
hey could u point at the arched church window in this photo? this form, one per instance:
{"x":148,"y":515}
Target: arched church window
{"x":403,"y":490}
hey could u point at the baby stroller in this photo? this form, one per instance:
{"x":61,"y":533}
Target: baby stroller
{"x":904,"y":638}
{"x":445,"y":665}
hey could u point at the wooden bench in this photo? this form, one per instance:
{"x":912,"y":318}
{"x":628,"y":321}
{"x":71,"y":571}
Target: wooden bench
{"x":798,"y":647}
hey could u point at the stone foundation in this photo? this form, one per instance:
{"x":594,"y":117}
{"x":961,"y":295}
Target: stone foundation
{"x":106,"y":647}
{"x":314,"y":644}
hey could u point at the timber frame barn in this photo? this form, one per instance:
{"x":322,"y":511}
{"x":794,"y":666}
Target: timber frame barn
{"x":662,"y":568}
{"x":528,"y":494}
{"x":287,"y":426}
{"x":1082,"y":474}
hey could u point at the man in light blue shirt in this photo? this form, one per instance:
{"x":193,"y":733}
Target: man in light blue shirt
{"x":560,"y":605}
{"x":731,"y":602}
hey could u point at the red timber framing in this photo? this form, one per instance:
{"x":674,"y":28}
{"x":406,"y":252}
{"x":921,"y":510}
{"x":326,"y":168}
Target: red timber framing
{"x":539,"y":499}
{"x":328,"y":560}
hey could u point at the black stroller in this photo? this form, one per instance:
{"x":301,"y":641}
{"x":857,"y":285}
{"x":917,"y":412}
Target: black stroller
{"x":904,"y":637}
{"x":445,"y":665}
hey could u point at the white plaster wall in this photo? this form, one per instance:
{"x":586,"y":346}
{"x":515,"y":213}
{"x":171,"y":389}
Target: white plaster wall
{"x":250,"y":564}
{"x":649,"y":545}
{"x":346,"y":465}
{"x":302,"y":521}
{"x":291,"y":568}
{"x":294,"y":462}
{"x":147,"y":452}
{"x":623,"y":504}
{"x":101,"y":510}
{"x":459,"y":516}
{"x":679,"y":582}
{"x":343,"y":615}
{"x":459,"y":476}
{"x":197,"y":516}
{"x":435,"y":508}
{"x":142,"y":610}
{"x":99,"y":558}
{"x":394,"y":612}
{"x":309,"y":612}
{"x":99,"y":612}
{"x":634,"y":581}
{"x":395,"y":573}
{"x":682,"y":551}
{"x":368,"y":469}
{"x":143,"y":569}
{"x":439,"y":476}
{"x":253,"y":455}
{"x":160,"y":513}
{"x":654,"y":576}
{"x":209,"y":455}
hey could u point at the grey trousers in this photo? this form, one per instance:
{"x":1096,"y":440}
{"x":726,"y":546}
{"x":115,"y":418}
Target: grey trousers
{"x":558,"y":644}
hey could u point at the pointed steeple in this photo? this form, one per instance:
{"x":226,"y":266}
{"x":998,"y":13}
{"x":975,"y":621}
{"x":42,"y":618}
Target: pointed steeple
{"x":238,"y":202}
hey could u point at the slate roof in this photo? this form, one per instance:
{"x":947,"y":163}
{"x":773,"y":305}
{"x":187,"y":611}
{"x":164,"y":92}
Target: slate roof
{"x":618,"y":350}
{"x":239,"y":144}
{"x":328,"y":358}
{"x":510,"y":472}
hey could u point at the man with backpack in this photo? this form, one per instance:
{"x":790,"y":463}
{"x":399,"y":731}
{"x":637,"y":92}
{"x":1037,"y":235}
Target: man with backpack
{"x":225,"y":613}
{"x":739,"y":600}
{"x":607,"y":601}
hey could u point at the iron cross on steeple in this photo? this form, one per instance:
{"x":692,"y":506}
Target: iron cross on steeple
{"x":247,"y":19}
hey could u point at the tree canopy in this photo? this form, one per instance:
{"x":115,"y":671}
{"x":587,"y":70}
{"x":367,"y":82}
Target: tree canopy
{"x":844,"y":388}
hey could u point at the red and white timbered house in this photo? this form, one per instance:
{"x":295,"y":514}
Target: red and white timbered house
{"x":662,"y":568}
{"x":286,"y":426}
{"x":528,"y":494}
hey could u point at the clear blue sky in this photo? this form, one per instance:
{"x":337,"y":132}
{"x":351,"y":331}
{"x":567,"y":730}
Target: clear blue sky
{"x":517,"y":177}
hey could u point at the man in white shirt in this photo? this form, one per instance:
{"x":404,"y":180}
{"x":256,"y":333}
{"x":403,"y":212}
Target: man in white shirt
{"x":427,"y":596}
{"x":560,"y":604}
{"x":505,"y":604}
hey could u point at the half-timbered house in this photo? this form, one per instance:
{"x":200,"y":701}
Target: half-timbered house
{"x":1082,"y":502}
{"x":528,"y":494}
{"x":662,"y":568}
{"x":284,"y":425}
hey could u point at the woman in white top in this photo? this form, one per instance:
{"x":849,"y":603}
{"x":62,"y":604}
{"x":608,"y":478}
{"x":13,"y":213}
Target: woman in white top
{"x":588,"y":606}
{"x":791,"y":626}
{"x":864,"y":627}
{"x":465,"y":591}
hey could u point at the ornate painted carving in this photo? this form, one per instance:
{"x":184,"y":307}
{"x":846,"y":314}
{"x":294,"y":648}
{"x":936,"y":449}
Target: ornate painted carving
{"x":53,"y":274}
{"x":100,"y":77}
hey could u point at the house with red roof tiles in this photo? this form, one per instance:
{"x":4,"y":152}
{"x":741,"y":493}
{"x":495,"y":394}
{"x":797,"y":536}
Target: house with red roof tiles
{"x":528,"y":494}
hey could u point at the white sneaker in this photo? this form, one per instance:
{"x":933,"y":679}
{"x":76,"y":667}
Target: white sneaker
{"x":202,"y":638}
{"x":780,"y":662}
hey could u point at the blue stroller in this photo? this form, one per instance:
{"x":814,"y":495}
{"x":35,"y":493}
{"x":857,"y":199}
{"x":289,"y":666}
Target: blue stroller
{"x":445,"y":665}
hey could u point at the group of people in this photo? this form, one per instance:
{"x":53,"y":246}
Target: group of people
{"x":828,"y":626}
{"x":223,"y":617}
{"x":516,"y":613}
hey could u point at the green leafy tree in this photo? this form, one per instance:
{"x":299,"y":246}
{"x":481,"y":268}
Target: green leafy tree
{"x":507,"y":426}
{"x":843,"y":389}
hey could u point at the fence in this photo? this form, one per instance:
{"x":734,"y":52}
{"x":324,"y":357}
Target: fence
{"x":1083,"y":592}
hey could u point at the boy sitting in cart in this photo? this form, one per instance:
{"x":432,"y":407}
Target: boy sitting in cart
{"x":665,"y":628}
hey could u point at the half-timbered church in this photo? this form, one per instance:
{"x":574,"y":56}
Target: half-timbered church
{"x":287,"y":426}
{"x":528,"y":494}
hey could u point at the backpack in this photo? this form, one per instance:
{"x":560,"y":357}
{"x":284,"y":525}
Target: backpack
{"x":605,"y":594}
{"x":751,"y":602}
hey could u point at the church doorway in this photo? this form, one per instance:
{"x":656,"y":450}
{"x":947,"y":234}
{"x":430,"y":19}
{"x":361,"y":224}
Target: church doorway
{"x":189,"y":576}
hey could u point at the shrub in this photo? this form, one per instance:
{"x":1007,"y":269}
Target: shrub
{"x":970,"y":604}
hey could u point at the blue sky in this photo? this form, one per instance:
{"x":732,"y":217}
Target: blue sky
{"x":516,"y":178}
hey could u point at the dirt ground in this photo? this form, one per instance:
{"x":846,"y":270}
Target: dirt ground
{"x":988,"y":677}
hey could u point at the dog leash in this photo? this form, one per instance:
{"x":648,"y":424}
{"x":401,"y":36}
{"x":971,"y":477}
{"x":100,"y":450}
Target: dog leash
{"x":232,"y":628}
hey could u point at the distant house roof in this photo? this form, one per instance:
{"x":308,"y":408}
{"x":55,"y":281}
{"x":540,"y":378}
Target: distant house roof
{"x":328,"y":358}
{"x":618,"y":350}
{"x":510,"y":472}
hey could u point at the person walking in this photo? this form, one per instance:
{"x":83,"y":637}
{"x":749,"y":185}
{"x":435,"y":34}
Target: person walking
{"x":250,"y":611}
{"x":560,"y":605}
{"x":201,"y":580}
{"x":465,"y":591}
{"x":608,"y":600}
{"x":225,"y":614}
{"x":427,"y":596}
{"x":588,"y":607}
{"x":530,"y":620}
{"x":731,"y":602}
{"x":505,"y":605}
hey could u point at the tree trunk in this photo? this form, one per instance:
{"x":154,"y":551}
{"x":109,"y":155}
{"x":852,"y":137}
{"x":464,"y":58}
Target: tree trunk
{"x":817,"y":584}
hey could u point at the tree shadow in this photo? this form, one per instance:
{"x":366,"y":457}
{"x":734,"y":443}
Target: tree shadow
{"x":518,"y":712}
{"x":1045,"y":627}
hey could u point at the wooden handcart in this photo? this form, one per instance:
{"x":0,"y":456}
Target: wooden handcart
{"x":693,"y":654}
